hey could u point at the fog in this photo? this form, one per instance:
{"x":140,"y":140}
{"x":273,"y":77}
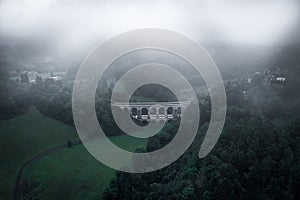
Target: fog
{"x":256,"y":22}
{"x":69,"y":26}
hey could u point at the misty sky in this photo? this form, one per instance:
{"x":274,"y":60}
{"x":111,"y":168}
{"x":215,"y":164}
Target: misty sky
{"x":72,"y":21}
{"x":70,"y":25}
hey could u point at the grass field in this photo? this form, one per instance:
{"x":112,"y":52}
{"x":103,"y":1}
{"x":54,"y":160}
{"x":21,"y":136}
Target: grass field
{"x":23,"y":137}
{"x":72,"y":172}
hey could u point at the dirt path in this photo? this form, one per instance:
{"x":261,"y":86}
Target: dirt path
{"x":37,"y":157}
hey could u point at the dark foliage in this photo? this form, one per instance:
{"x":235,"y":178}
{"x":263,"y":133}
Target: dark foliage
{"x":254,"y":159}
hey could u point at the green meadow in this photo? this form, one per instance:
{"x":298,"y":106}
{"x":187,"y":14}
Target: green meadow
{"x":71,"y":173}
{"x":74,"y":173}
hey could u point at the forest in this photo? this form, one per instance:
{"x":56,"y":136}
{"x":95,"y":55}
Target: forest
{"x":257,"y":156}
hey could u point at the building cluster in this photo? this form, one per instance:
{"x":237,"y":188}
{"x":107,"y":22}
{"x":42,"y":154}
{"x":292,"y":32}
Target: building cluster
{"x":267,"y":76}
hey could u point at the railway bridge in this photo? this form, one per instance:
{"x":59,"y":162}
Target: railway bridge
{"x":155,"y":111}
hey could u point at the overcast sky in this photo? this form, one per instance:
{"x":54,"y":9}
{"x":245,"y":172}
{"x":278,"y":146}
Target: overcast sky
{"x":74,"y":21}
